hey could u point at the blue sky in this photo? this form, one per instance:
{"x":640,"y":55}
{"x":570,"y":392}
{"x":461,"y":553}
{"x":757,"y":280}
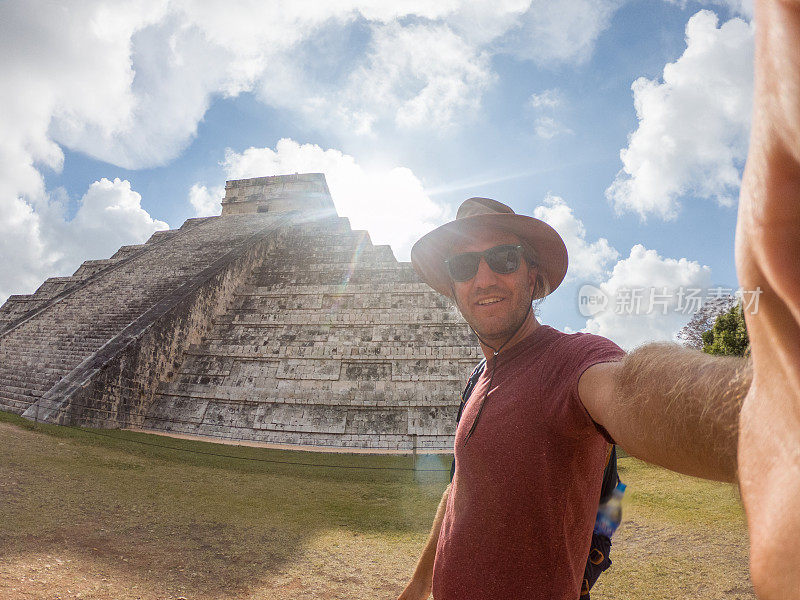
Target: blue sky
{"x":117,"y":120}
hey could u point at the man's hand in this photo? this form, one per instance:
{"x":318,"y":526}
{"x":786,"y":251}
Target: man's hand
{"x":768,"y":257}
{"x":421,"y":584}
{"x":417,"y":590}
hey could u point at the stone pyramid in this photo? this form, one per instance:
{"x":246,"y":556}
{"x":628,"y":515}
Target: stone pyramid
{"x":274,"y":322}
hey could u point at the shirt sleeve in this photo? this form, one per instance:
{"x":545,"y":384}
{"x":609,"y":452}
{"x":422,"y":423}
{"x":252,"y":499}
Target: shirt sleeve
{"x":585,"y":350}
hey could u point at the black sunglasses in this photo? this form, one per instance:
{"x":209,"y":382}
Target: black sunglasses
{"x":503,"y":259}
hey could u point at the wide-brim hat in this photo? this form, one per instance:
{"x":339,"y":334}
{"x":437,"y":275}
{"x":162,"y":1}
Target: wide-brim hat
{"x":476,"y":214}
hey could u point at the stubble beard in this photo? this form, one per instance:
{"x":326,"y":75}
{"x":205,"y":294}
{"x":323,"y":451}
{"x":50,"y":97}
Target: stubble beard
{"x":502,"y":329}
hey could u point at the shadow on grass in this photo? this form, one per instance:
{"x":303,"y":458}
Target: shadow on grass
{"x":194,"y":516}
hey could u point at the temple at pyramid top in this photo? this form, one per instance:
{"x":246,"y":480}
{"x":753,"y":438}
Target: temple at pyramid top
{"x":279,"y":193}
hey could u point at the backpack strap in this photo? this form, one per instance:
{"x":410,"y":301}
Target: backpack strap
{"x":471,"y":382}
{"x":610,"y":475}
{"x":599,"y":559}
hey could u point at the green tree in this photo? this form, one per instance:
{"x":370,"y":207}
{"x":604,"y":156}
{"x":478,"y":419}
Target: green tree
{"x":728,"y":336}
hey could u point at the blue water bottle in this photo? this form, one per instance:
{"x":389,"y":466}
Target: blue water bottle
{"x":609,"y":514}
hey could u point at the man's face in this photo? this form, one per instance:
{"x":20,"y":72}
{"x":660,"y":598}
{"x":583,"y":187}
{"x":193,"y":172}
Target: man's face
{"x":494,"y":304}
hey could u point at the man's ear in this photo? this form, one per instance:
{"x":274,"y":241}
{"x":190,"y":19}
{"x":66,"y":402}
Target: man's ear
{"x":533,"y":279}
{"x":454,"y":297}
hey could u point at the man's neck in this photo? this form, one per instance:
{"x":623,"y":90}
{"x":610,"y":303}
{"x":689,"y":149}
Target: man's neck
{"x":529,"y":326}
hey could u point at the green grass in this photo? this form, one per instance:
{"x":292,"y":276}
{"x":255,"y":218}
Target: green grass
{"x":343,"y":466}
{"x":680,"y":500}
{"x":120,"y":514}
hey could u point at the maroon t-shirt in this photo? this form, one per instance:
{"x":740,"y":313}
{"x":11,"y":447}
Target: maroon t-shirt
{"x":524,"y":496}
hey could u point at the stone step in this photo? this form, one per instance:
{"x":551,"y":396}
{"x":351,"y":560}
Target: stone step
{"x":37,"y":371}
{"x":397,"y":392}
{"x":56,"y":353}
{"x":329,"y":439}
{"x":378,"y":353}
{"x":341,"y":303}
{"x":352,"y":288}
{"x":348,"y":354}
{"x":17,"y":391}
{"x":36,"y":386}
{"x":297,"y":318}
{"x":55,"y":349}
{"x":13,"y":404}
{"x":341,"y":277}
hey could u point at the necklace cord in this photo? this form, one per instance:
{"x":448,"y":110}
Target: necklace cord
{"x":496,"y":352}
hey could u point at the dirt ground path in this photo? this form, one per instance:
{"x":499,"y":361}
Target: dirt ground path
{"x":339,"y":565}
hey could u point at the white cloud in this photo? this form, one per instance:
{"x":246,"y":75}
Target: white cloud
{"x":71,"y":76}
{"x":64,"y":70}
{"x":545,"y":106}
{"x":22,"y":249}
{"x":547,"y":99}
{"x":422,"y":75}
{"x":693,"y":128}
{"x":391,"y":204}
{"x":547,"y":128}
{"x":206,"y":202}
{"x":586,"y":260}
{"x":645,"y":274}
{"x":41,"y":243}
{"x":483,"y":23}
{"x":559,"y":32}
{"x":630,"y":284}
{"x":110,"y":215}
{"x":128,"y":83}
{"x":417,"y":76}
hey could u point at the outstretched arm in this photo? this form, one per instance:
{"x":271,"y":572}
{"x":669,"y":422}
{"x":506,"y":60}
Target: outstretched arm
{"x":672,"y":406}
{"x":421,"y":584}
{"x":768,"y":256}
